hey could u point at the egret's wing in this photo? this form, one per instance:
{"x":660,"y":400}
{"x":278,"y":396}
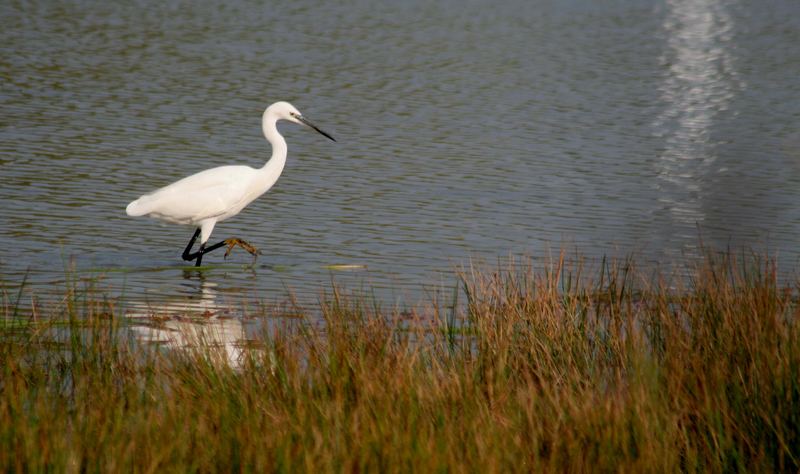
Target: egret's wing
{"x":194,"y":206}
{"x":200,"y":196}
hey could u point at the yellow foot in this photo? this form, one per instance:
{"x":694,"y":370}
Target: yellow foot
{"x":233,"y":242}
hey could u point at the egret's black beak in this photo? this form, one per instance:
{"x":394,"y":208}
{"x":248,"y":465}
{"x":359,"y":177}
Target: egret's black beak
{"x":305,"y":121}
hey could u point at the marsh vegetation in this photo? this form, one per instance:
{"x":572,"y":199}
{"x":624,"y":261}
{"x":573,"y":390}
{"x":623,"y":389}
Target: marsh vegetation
{"x":525,"y":367}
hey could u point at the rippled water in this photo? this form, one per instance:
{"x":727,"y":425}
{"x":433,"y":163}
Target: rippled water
{"x":465,"y":130}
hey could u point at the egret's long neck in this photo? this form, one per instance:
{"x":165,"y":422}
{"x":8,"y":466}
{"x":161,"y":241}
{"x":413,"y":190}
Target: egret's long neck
{"x":270,"y":172}
{"x":269,"y":126}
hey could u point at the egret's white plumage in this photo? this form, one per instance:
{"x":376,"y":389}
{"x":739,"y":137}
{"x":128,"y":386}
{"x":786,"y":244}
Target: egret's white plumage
{"x":213,"y":195}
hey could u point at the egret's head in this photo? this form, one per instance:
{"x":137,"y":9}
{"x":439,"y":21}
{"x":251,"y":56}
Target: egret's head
{"x":287,"y":111}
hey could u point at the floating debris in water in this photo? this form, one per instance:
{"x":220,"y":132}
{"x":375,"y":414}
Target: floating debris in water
{"x":345,"y":266}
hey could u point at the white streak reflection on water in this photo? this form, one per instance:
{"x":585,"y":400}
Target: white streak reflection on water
{"x":700,"y":82}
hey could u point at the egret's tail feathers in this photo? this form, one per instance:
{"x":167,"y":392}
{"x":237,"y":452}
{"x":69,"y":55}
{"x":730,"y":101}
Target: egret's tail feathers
{"x":136,"y":208}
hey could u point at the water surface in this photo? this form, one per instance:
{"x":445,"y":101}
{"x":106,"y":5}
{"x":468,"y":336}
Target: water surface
{"x":466,"y":130}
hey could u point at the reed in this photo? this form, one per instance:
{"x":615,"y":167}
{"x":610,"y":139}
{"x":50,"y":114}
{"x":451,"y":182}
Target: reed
{"x":526,"y":368}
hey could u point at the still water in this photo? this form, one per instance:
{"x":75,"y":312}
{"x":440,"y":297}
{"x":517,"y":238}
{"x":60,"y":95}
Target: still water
{"x":466,"y":130}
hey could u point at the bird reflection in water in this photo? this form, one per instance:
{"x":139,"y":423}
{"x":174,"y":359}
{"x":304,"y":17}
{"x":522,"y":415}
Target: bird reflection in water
{"x":198,"y":325}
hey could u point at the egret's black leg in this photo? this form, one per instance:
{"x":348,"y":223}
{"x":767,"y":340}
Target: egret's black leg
{"x":204,"y":250}
{"x":190,"y":256}
{"x":215,"y":246}
{"x":198,"y":256}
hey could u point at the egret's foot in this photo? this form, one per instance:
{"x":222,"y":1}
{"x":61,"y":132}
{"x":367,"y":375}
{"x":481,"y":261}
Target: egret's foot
{"x":233,"y":242}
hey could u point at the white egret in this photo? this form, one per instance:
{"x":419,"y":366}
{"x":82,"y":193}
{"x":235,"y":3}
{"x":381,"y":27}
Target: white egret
{"x":213,"y":195}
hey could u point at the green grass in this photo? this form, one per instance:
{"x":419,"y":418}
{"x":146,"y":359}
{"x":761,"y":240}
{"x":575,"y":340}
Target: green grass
{"x":547,"y":369}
